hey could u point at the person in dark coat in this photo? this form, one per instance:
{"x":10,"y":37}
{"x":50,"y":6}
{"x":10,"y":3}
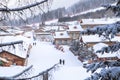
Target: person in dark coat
{"x":60,"y":61}
{"x":63,"y":61}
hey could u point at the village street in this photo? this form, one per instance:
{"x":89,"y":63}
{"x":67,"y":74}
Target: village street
{"x":44,"y":55}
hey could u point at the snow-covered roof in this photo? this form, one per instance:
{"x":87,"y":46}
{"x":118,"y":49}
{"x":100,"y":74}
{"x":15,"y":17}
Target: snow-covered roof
{"x":7,"y":39}
{"x":51,"y":21}
{"x":19,"y":48}
{"x":99,"y":46}
{"x":96,"y":38}
{"x":13,"y":31}
{"x":99,"y":21}
{"x":55,"y":28}
{"x":75,"y":28}
{"x":61,"y":34}
{"x":107,"y":55}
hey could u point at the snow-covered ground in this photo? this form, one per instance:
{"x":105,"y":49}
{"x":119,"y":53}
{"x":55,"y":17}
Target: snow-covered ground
{"x":44,"y":55}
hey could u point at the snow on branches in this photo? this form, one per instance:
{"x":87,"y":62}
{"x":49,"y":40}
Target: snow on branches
{"x":110,"y":70}
{"x":6,"y":9}
{"x":21,"y":10}
{"x":106,"y":74}
{"x":112,"y":48}
{"x":108,"y":31}
{"x":114,"y":8}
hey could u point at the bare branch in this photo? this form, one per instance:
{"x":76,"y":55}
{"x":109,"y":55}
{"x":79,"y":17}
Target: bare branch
{"x":22,"y":8}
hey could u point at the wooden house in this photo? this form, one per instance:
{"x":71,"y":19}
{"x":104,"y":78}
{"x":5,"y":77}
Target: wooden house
{"x":106,"y":56}
{"x":90,"y":23}
{"x":14,"y":52}
{"x":74,"y":31}
{"x":102,"y":57}
{"x":91,"y":40}
{"x":12,"y":59}
{"x":61,"y":38}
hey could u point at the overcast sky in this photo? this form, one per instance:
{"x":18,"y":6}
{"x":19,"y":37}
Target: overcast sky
{"x":61,"y":3}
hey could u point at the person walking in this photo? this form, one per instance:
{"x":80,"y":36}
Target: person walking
{"x":63,"y":61}
{"x":60,"y":61}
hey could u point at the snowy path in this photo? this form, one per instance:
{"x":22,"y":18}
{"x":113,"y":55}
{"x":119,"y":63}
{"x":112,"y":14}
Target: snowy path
{"x":44,"y":55}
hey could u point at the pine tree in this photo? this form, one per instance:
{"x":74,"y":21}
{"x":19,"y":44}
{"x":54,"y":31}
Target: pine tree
{"x":110,"y":70}
{"x":79,"y":48}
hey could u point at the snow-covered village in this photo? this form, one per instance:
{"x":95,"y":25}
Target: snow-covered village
{"x":60,"y":40}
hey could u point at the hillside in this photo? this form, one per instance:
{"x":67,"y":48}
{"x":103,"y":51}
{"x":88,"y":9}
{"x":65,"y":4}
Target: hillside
{"x":81,"y":6}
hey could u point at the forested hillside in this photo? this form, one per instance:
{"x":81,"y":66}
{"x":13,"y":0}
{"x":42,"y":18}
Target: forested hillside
{"x":80,"y":6}
{"x":86,"y":5}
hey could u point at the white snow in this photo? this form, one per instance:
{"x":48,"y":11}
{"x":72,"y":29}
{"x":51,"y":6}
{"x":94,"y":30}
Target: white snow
{"x":99,"y":21}
{"x":71,"y":73}
{"x":51,"y":21}
{"x":75,"y":28}
{"x":61,"y":34}
{"x":11,"y":71}
{"x":99,"y":46}
{"x":19,"y":48}
{"x":96,"y":38}
{"x":44,"y":55}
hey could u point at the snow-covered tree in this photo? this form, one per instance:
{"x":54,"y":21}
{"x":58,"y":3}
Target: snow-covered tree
{"x":21,"y":10}
{"x":110,"y":70}
{"x":79,"y":48}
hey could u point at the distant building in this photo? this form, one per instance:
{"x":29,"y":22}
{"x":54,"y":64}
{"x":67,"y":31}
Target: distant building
{"x":62,"y":38}
{"x":90,"y":23}
{"x":74,"y":31}
{"x":44,"y":36}
{"x":91,"y":40}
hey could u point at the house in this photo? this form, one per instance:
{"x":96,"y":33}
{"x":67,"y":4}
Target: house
{"x":12,"y":59}
{"x":10,"y":31}
{"x":15,"y":31}
{"x":106,"y":56}
{"x":90,"y":23}
{"x":61,"y":38}
{"x":91,"y":40}
{"x":41,"y":35}
{"x":74,"y":31}
{"x":101,"y":57}
{"x":15,"y":49}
